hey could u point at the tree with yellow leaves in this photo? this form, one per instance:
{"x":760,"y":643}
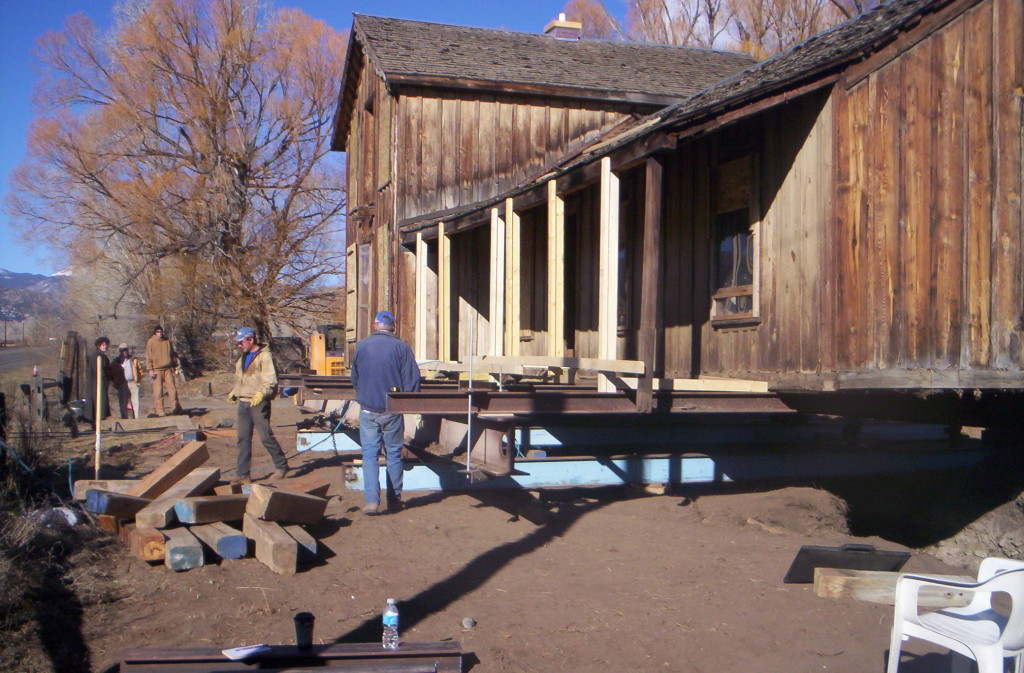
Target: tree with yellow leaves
{"x":189,"y":148}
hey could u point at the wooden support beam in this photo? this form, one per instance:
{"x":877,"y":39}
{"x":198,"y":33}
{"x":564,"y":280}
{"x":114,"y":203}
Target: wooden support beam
{"x":222,"y":540}
{"x":182,"y":550}
{"x":115,"y":504}
{"x":308,"y":549}
{"x":191,"y":456}
{"x":82,"y":486}
{"x":420,"y":335}
{"x":513,"y":278}
{"x":497,"y":285}
{"x":875,"y":586}
{"x":160,"y":512}
{"x":310,"y":484}
{"x":210,"y":508}
{"x":272,"y":504}
{"x":109,"y":523}
{"x":556,"y":271}
{"x":608,"y":271}
{"x":275,"y":548}
{"x":651,"y":319}
{"x":444,"y":293}
{"x":147,"y":544}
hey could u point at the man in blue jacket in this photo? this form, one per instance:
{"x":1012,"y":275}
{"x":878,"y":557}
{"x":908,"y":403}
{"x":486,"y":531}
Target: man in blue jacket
{"x":383,"y":363}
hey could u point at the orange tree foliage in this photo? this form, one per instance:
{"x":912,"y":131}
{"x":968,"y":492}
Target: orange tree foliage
{"x":761,"y":28}
{"x":190,"y":144}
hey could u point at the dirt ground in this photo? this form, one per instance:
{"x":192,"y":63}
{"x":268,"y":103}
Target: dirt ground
{"x":596,"y":580}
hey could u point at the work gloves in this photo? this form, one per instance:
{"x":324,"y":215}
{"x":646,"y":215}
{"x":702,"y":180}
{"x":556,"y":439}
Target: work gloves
{"x":257,"y":398}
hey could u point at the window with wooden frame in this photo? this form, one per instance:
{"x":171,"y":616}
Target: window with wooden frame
{"x":735,"y":226}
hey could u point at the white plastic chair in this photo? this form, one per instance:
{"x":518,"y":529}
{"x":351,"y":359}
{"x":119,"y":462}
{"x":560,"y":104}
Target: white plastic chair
{"x":976,"y":631}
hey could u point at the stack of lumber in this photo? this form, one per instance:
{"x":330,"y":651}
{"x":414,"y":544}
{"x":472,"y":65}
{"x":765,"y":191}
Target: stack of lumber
{"x":180,"y":514}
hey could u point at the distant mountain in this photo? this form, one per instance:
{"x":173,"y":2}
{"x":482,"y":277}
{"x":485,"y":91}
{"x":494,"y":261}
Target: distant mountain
{"x":29,"y":293}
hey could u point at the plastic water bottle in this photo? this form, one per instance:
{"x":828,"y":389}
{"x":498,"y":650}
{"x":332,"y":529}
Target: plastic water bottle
{"x":390,"y":620}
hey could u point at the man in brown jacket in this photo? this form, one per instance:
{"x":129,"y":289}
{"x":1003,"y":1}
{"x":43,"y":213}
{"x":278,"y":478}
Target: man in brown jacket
{"x":255,"y":387}
{"x":163,"y":365}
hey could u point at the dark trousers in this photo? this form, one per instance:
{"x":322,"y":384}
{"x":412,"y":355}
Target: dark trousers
{"x":257,"y":417}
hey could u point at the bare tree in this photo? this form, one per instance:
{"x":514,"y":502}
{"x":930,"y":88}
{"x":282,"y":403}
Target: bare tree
{"x":596,"y":19}
{"x":191,"y":145}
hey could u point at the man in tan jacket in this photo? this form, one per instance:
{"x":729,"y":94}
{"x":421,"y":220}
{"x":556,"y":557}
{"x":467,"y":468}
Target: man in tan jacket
{"x":162,"y":364}
{"x":255,"y":387}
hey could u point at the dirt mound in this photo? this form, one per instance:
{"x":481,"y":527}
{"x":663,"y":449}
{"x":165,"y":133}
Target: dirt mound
{"x":997,"y":533}
{"x":801,"y":510}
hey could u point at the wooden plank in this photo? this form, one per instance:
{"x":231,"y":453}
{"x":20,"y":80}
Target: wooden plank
{"x":191,"y":456}
{"x":210,"y":508}
{"x":109,"y":523}
{"x":124,"y":532}
{"x":160,"y":512}
{"x":222,"y":540}
{"x":308,"y":549}
{"x":118,"y":505}
{"x":875,"y":586}
{"x":182,"y":550}
{"x":420,"y":331}
{"x":497,"y":284}
{"x":82,"y":486}
{"x":275,"y":548}
{"x":651,"y":317}
{"x":147,"y":544}
{"x":272,"y":504}
{"x":444,"y":294}
{"x":513,"y":278}
{"x":608,"y":270}
{"x":556,"y":271}
{"x":310,"y":484}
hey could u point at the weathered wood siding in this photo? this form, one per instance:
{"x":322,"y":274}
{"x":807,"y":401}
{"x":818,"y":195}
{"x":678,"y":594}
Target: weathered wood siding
{"x":928,"y":214}
{"x":459,"y":147}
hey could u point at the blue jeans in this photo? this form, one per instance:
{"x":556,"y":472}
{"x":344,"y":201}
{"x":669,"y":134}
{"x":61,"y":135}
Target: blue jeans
{"x":375,"y":428}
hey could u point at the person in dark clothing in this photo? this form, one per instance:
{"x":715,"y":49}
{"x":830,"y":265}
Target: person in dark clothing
{"x":102,"y":344}
{"x":383,"y":363}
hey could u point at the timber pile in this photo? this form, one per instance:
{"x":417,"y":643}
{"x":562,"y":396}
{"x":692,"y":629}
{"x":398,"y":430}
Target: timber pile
{"x":181,"y":516}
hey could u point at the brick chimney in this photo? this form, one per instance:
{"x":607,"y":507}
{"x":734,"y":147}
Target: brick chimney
{"x":560,"y":29}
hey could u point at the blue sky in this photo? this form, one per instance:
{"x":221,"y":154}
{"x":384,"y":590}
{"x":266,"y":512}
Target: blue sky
{"x":22,"y":22}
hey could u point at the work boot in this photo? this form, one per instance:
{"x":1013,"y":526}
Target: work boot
{"x":241,"y":479}
{"x":371,"y":510}
{"x":280,"y":472}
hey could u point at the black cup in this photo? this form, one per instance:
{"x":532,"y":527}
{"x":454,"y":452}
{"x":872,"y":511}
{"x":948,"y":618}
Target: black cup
{"x":304,"y":630}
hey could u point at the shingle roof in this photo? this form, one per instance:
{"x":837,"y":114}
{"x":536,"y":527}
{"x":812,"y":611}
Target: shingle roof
{"x":415,"y":48}
{"x":828,"y":52}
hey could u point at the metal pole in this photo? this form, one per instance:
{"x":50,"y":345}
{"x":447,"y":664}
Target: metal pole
{"x":99,"y":412}
{"x":469,"y":395}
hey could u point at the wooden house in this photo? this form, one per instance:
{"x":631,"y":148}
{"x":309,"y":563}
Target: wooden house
{"x":841,"y":224}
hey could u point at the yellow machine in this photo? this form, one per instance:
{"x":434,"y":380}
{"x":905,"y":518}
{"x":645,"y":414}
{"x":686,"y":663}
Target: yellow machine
{"x":327,"y":350}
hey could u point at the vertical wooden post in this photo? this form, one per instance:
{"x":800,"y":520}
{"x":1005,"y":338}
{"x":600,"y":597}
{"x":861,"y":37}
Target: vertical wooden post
{"x":651,"y":317}
{"x":497,"y":285}
{"x":513,"y":282}
{"x":608,"y":276}
{"x":444,"y":295}
{"x":556,"y":271}
{"x":98,"y":418}
{"x":421,"y":298}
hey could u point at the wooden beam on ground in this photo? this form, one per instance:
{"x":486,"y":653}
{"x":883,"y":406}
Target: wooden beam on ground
{"x":310,"y":484}
{"x":227,"y":489}
{"x":875,"y":586}
{"x":191,"y":456}
{"x":82,"y":486}
{"x":651,"y":320}
{"x":117,"y":425}
{"x":125,"y":530}
{"x":608,"y":271}
{"x":307,"y":543}
{"x":210,"y":508}
{"x":115,"y":504}
{"x":223,"y":540}
{"x":146,"y":544}
{"x":273,"y":504}
{"x":556,"y":271}
{"x":275,"y":548}
{"x":160,"y":512}
{"x":110,"y":523}
{"x":182,"y":550}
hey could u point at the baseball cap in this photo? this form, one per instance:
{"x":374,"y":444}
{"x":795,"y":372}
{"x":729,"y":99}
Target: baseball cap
{"x":245,"y":333}
{"x":385,"y":319}
{"x":122,"y":347}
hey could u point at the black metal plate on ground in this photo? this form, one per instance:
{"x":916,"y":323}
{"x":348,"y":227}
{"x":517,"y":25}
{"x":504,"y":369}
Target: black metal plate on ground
{"x":849,"y":556}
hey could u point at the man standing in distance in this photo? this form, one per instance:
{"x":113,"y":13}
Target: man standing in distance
{"x":383,"y":363}
{"x":163,"y":365}
{"x":255,"y":387}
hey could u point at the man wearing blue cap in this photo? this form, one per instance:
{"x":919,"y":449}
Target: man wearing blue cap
{"x":255,"y":387}
{"x":383,"y":363}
